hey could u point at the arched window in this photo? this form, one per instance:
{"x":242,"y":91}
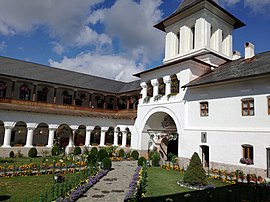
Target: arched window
{"x":161,"y":86}
{"x":42,"y":95}
{"x":67,"y":99}
{"x":174,"y":84}
{"x":192,"y":37}
{"x":149,"y":89}
{"x":25,"y":92}
{"x":3,"y":89}
{"x":79,"y":101}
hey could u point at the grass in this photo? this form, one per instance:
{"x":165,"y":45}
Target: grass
{"x":17,"y":188}
{"x":162,"y":182}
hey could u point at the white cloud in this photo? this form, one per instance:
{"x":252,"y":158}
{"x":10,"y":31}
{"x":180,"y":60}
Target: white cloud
{"x":3,"y":46}
{"x":57,"y":48}
{"x":109,"y":66}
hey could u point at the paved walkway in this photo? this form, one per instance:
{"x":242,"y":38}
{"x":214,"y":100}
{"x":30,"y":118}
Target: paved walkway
{"x":114,"y":185}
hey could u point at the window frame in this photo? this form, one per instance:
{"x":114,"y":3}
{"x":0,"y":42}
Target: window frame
{"x":248,"y":108}
{"x":204,"y":109}
{"x":248,"y":152}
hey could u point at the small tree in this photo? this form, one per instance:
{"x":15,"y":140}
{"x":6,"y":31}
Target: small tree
{"x":195,"y":174}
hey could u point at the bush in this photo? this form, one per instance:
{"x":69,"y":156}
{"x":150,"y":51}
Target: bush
{"x":92,"y":159}
{"x":106,"y":164}
{"x":32,"y":152}
{"x":141,"y":161}
{"x":121,"y":153}
{"x":135,"y":154}
{"x":77,"y":151}
{"x":155,"y":159}
{"x":11,"y":154}
{"x":55,"y":151}
{"x":195,"y":174}
{"x":94,"y":151}
{"x":101,"y":155}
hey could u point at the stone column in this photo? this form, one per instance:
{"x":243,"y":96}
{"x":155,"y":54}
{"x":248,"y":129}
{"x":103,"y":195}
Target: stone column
{"x":167,"y":81}
{"x":124,"y":139}
{"x":154,"y":83}
{"x":7,"y":137}
{"x":89,"y":129}
{"x":71,"y":137}
{"x":144,"y":89}
{"x":115,"y":139}
{"x":102,"y":136}
{"x":52,"y":129}
{"x":30,"y":135}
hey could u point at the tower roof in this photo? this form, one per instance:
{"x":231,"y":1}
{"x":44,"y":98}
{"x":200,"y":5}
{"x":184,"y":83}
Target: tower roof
{"x":187,"y":4}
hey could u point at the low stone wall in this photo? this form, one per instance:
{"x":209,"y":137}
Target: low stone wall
{"x":4,"y":152}
{"x":184,"y":162}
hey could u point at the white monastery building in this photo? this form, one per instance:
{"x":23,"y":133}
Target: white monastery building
{"x":204,"y":98}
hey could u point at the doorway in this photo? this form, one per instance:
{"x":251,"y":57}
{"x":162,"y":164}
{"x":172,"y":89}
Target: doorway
{"x":205,"y":156}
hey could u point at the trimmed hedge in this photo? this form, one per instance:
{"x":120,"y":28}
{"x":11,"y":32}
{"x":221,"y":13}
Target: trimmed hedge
{"x":141,"y":161}
{"x":101,"y":155}
{"x":121,"y":153}
{"x":106,"y":163}
{"x":135,"y":154}
{"x":32,"y":152}
{"x":92,"y":159}
{"x":55,"y":151}
{"x":77,"y":150}
{"x":94,"y":151}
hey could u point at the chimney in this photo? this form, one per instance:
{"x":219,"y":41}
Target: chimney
{"x":249,"y":50}
{"x":236,"y":55}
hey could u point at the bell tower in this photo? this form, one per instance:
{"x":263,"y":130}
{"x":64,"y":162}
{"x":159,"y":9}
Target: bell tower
{"x":200,"y":29}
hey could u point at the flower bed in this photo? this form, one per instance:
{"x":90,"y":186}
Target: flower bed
{"x":137,"y":186}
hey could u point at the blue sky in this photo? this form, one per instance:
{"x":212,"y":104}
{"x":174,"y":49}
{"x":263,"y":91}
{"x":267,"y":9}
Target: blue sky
{"x":109,"y":38}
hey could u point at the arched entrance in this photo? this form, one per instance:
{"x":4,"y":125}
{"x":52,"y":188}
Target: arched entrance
{"x":18,"y":134}
{"x":63,"y":133}
{"x":41,"y":135}
{"x":160,"y":132}
{"x":80,"y":134}
{"x":95,"y":136}
{"x":109,"y":135}
{"x":2,"y":132}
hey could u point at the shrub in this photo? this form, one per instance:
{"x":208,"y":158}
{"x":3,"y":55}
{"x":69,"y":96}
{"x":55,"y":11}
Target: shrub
{"x":94,"y":151}
{"x":135,"y":154}
{"x":55,"y":151}
{"x":106,"y":164}
{"x":101,"y":155}
{"x":155,"y":159}
{"x":11,"y":154}
{"x":141,"y":161}
{"x":195,"y":174}
{"x":92,"y":159}
{"x":121,"y":153}
{"x":19,"y":154}
{"x":109,"y":150}
{"x":77,"y":150}
{"x":32,"y":152}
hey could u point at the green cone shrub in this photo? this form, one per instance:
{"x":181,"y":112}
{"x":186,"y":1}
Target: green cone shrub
{"x":141,"y":161}
{"x":101,"y":155}
{"x":135,"y":154}
{"x":77,"y":151}
{"x":155,"y":159}
{"x":195,"y":174}
{"x":11,"y":154}
{"x":92,"y":159}
{"x":32,"y":152}
{"x":106,"y":163}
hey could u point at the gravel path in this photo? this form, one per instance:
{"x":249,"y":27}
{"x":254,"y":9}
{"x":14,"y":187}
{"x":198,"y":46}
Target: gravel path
{"x":114,"y":185}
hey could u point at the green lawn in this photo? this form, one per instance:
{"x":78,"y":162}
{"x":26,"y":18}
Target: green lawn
{"x":162,"y":182}
{"x":25,"y":160}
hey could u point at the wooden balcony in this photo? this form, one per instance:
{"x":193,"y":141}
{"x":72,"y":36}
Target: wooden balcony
{"x":72,"y":110}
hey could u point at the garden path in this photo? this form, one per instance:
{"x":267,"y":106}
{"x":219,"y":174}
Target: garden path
{"x":114,"y":185}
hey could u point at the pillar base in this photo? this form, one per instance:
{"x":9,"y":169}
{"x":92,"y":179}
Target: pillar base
{"x":28,"y":146}
{"x":49,"y":146}
{"x":6,"y":146}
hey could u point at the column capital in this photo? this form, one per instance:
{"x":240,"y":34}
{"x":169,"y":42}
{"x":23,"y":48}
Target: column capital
{"x":154,"y":82}
{"x":9,"y":124}
{"x":143,"y":85}
{"x":167,"y":79}
{"x":104,"y":129}
{"x":89,"y":128}
{"x":74,"y":127}
{"x":52,"y":126}
{"x":31,"y":126}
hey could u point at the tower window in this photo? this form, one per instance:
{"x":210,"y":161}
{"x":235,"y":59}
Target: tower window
{"x":178,"y":43}
{"x":193,"y":37}
{"x":204,"y":108}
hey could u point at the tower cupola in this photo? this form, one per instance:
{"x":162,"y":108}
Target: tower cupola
{"x":199,"y":28}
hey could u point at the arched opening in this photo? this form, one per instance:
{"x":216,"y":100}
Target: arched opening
{"x":160,"y":133}
{"x":67,"y":98}
{"x":99,"y":101}
{"x":109,"y":135}
{"x":18,"y":134}
{"x":3,"y":89}
{"x":174,"y":84}
{"x":122,"y":103}
{"x":120,"y":136}
{"x":25,"y":92}
{"x":80,"y":135}
{"x":42,"y":94}
{"x":41,"y":134}
{"x":128,"y":141}
{"x":149,"y":89}
{"x":2,"y":132}
{"x":161,"y":86}
{"x":205,"y":155}
{"x":95,"y":136}
{"x":63,"y":133}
